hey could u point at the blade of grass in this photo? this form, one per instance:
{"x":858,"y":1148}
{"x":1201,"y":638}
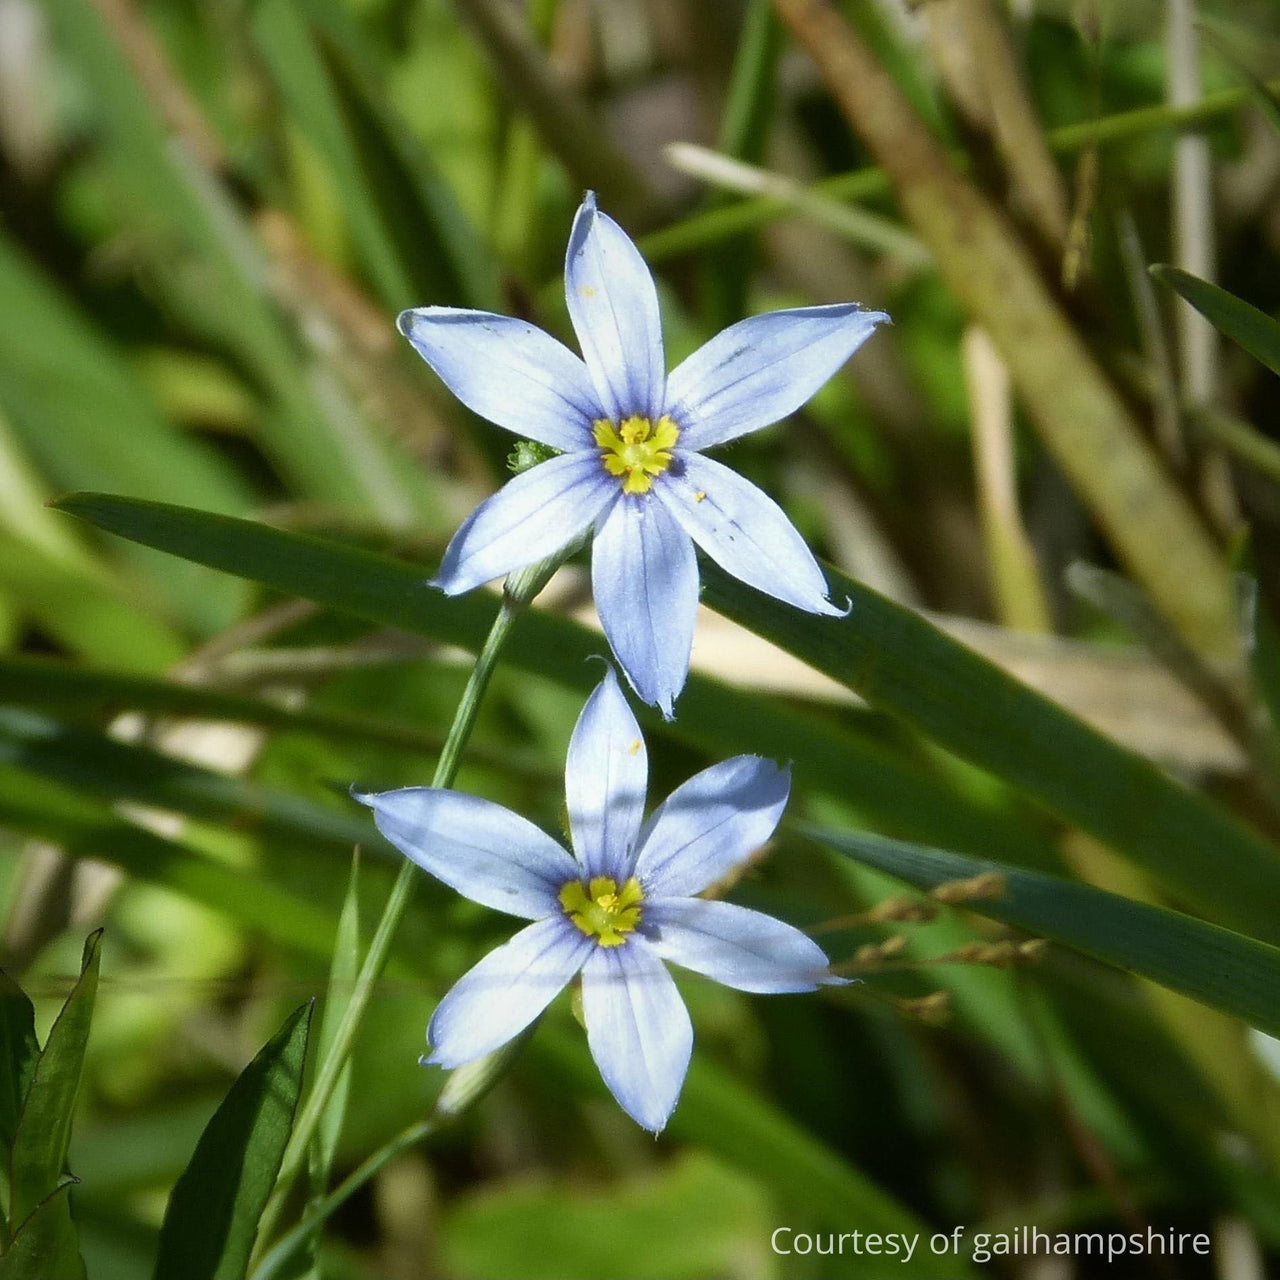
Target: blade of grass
{"x":393,"y":593}
{"x":901,"y":664}
{"x":31,"y":681}
{"x":1215,"y":966}
{"x":126,"y":771}
{"x":1241,"y":321}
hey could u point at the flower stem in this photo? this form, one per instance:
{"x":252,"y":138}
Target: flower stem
{"x":375,"y":960}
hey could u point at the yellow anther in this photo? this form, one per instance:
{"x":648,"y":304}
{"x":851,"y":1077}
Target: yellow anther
{"x":700,"y":496}
{"x":636,"y":450}
{"x":603,"y":911}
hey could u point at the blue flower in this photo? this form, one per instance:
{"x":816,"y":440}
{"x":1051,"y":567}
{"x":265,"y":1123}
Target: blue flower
{"x":630,"y":438}
{"x":613,"y":910}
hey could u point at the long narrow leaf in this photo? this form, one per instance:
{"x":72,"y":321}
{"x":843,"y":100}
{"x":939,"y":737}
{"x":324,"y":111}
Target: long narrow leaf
{"x":878,"y":780}
{"x":1216,"y":966}
{"x":31,"y":681}
{"x":212,"y":1219}
{"x":1241,"y":321}
{"x":44,"y":1128}
{"x":904,"y":665}
{"x":128,"y":771}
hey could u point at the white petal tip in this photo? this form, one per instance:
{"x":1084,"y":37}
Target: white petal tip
{"x":829,"y":608}
{"x":835,"y":980}
{"x":449,"y":585}
{"x":404,"y":322}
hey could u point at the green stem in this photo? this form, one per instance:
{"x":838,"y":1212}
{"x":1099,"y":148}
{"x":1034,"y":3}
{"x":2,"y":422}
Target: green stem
{"x":344,"y":1038}
{"x":279,"y":1254}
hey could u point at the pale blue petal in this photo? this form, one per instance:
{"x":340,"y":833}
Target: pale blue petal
{"x":761,"y":369}
{"x":710,"y":825}
{"x":530,"y":518}
{"x":503,"y":994}
{"x":740,"y":948}
{"x":644,"y":575}
{"x":638,"y":1029}
{"x":507,"y":371}
{"x":614,"y":308}
{"x":744,"y":531}
{"x":604,"y":781}
{"x":485,"y":852}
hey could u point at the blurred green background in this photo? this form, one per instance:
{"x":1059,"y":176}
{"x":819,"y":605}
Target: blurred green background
{"x":210,"y":213}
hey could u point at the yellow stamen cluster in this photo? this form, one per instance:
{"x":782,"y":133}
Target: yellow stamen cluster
{"x":637,"y":450}
{"x":603,"y":911}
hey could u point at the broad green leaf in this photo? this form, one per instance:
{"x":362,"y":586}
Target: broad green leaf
{"x":212,"y":1219}
{"x":692,"y":1216}
{"x":44,"y":1127}
{"x":1216,"y":966}
{"x":1241,"y":321}
{"x":47,"y":1244}
{"x":883,"y":784}
{"x":902,"y":664}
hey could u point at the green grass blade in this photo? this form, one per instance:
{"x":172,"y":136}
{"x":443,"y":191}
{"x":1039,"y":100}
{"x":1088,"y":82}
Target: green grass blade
{"x":1241,"y":321}
{"x":1216,"y":966}
{"x":70,"y":688}
{"x":884,"y":786}
{"x":904,"y":665}
{"x":128,"y":771}
{"x":212,"y":1218}
{"x":44,"y":1128}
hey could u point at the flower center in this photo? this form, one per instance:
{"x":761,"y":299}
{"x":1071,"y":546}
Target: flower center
{"x":637,"y":450}
{"x":603,"y":911}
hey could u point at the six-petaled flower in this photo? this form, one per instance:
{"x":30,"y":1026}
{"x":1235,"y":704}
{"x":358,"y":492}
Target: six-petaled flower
{"x":630,"y":466}
{"x":612,"y":910}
